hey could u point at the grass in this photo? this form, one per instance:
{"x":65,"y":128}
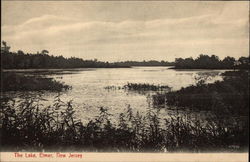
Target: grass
{"x":229,"y":96}
{"x":30,"y":126}
{"x":18,"y":82}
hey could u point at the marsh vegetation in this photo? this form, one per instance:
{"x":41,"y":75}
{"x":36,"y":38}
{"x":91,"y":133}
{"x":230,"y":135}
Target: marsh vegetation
{"x":230,"y":95}
{"x":31,"y":126}
{"x":140,"y":87}
{"x":20,"y":82}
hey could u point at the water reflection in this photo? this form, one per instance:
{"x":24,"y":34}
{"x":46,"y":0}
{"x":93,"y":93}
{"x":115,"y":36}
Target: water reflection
{"x":88,"y":87}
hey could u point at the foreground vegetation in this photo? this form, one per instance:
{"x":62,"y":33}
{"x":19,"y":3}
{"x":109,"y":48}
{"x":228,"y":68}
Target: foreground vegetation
{"x":30,"y":126}
{"x":18,"y":82}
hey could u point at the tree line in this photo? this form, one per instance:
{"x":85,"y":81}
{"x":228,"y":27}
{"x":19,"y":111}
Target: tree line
{"x":212,"y":62}
{"x":21,"y":60}
{"x":146,"y":63}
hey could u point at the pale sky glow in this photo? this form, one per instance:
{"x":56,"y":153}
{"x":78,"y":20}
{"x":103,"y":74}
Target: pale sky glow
{"x":117,"y":31}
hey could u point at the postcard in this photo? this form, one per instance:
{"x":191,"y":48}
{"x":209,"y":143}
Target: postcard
{"x":124,"y":81}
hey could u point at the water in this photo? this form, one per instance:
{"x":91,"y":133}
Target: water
{"x":88,"y":87}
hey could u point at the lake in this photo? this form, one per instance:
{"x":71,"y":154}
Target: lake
{"x":89,"y":94}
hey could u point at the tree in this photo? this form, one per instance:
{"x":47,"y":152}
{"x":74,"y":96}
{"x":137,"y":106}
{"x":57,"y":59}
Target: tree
{"x":244,"y":63}
{"x":228,"y":62}
{"x":5,"y":48}
{"x":4,"y":43}
{"x":20,"y":52}
{"x":45,"y":52}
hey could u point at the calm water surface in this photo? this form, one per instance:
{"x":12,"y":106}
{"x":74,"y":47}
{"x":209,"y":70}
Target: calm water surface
{"x":88,"y":87}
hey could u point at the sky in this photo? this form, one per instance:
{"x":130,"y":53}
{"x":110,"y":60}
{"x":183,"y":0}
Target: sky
{"x":126,"y":30}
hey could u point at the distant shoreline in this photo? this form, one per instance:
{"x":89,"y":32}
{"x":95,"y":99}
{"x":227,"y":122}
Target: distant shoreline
{"x":81,"y":68}
{"x":174,"y":68}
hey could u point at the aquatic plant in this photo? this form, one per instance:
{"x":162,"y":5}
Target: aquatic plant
{"x":146,"y":87}
{"x":140,"y":87}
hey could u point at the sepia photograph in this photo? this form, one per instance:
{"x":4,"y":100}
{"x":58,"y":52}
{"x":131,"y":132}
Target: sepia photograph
{"x":147,"y":77}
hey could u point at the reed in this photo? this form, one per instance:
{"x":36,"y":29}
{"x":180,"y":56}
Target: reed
{"x":30,"y":126}
{"x":140,"y":87}
{"x":145,"y":87}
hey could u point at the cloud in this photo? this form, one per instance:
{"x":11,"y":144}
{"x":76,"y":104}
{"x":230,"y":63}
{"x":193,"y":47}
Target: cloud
{"x":152,"y":39}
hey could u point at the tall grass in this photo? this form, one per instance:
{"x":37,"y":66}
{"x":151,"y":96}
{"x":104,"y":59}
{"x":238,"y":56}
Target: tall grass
{"x":29,"y":125}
